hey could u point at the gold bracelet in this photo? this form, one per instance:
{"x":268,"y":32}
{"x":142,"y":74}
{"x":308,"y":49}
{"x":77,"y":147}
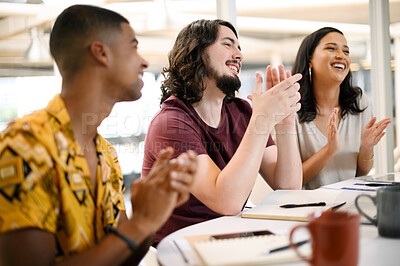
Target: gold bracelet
{"x":372,"y":157}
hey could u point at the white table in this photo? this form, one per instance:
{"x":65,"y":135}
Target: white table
{"x":373,"y":249}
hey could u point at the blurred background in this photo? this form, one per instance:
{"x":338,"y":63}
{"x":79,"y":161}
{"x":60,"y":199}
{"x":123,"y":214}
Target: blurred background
{"x":270,"y":32}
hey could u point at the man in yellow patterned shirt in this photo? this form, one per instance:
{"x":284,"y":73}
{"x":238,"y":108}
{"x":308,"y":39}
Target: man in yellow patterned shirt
{"x":61,"y":185}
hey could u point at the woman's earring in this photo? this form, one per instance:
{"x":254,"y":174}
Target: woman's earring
{"x":310,"y":73}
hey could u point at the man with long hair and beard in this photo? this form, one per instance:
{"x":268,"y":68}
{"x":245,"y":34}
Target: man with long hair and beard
{"x":200,"y":112}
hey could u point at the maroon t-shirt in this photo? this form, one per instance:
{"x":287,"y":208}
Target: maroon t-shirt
{"x":178,"y":125}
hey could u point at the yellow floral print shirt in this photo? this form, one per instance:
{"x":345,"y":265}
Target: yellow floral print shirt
{"x":45,"y":181}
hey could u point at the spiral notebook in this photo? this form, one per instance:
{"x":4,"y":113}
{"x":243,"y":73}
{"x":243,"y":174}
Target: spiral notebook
{"x":248,"y":250}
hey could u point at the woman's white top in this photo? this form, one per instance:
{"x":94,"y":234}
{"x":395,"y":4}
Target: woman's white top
{"x":344,"y":164}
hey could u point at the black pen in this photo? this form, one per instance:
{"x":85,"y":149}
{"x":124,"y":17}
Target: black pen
{"x":298,"y":244}
{"x":338,"y":206}
{"x":314,"y":204}
{"x":376,"y":184}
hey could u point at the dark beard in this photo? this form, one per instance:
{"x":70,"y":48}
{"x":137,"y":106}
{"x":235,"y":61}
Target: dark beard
{"x":227,"y":84}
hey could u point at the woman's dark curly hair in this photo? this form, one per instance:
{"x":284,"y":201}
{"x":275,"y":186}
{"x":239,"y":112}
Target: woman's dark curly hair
{"x":186,"y":71}
{"x":348,"y":96}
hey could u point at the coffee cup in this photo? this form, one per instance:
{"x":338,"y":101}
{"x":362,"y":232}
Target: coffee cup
{"x":334,"y":239}
{"x":387,"y":201}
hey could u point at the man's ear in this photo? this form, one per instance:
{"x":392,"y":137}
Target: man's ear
{"x":100,"y":52}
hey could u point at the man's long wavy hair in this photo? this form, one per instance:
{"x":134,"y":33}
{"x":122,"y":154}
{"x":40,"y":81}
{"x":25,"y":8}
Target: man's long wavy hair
{"x":348,"y":95}
{"x":186,"y":71}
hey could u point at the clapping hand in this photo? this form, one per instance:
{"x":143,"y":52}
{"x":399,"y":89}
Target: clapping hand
{"x":182,"y":176}
{"x":273,"y":79}
{"x":279,"y":101}
{"x":332,"y":132}
{"x":373,"y":132}
{"x":167,"y":185}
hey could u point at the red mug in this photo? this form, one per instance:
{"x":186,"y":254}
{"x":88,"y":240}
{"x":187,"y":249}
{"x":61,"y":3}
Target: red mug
{"x":334,"y":239}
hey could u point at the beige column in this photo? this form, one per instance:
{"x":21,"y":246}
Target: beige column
{"x":381,"y":81}
{"x":395,"y":32}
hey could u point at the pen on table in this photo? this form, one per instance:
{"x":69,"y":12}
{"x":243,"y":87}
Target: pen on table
{"x":314,"y":204}
{"x":298,"y":244}
{"x":375,"y":184}
{"x":338,"y":206}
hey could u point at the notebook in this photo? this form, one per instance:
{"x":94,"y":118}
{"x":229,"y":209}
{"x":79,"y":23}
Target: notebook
{"x":251,"y":250}
{"x":270,"y":208}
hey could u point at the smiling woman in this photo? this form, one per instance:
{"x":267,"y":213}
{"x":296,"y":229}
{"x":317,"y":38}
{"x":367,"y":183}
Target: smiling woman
{"x":336,"y":131}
